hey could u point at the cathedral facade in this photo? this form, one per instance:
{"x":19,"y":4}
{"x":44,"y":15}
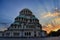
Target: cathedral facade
{"x":24,"y":25}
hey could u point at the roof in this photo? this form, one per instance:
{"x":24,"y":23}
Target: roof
{"x":25,"y":9}
{"x":27,"y":17}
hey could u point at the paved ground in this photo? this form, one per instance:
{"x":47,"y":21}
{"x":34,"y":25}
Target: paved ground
{"x":47,"y":38}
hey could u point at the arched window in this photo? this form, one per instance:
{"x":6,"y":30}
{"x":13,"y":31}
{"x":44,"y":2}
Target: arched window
{"x":27,"y":33}
{"x":16,"y":34}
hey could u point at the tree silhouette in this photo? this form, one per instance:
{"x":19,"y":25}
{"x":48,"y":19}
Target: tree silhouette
{"x":54,"y":33}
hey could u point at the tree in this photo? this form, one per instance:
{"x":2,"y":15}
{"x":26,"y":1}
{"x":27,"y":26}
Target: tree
{"x":54,"y":33}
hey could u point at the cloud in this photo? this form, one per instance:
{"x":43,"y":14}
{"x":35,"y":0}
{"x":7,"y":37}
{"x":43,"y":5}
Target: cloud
{"x":2,"y":29}
{"x":49,"y":14}
{"x":51,"y":28}
{"x":54,"y":25}
{"x":56,"y":21}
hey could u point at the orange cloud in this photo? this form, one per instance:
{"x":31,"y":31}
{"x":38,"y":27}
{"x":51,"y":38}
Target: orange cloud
{"x":57,"y":20}
{"x":49,"y":28}
{"x":49,"y":14}
{"x":53,"y":26}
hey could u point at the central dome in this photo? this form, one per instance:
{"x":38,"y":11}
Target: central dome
{"x":25,"y":11}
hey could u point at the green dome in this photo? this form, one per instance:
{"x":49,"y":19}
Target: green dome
{"x":27,"y":17}
{"x":22,"y":16}
{"x":34,"y":18}
{"x":25,"y":11}
{"x":17,"y":23}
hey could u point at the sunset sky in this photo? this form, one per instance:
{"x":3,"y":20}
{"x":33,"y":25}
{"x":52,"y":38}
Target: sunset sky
{"x":47,"y":11}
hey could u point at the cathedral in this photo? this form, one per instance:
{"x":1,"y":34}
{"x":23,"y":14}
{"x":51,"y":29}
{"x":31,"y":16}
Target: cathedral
{"x":24,"y":25}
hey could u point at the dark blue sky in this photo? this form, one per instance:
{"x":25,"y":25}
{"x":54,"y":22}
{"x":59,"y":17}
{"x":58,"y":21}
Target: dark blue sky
{"x":9,"y":9}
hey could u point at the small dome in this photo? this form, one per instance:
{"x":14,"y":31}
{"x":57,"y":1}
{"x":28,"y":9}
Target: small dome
{"x":25,"y":11}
